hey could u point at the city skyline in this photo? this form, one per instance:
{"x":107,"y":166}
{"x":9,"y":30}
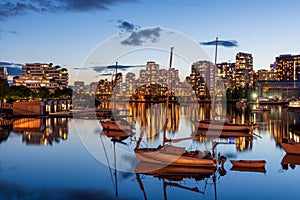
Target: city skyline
{"x":68,"y":34}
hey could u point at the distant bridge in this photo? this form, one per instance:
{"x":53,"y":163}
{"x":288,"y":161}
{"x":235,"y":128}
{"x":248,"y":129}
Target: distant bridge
{"x":6,"y":106}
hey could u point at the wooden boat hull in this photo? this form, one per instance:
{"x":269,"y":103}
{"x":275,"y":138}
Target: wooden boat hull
{"x":175,"y":173}
{"x":116,"y":135}
{"x":162,"y":158}
{"x":249,"y":169}
{"x":293,"y":159}
{"x":222,"y":134}
{"x":291,"y":148}
{"x":248,"y":163}
{"x":221,"y":127}
{"x":115,"y":126}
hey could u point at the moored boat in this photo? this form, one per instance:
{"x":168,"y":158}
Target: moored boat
{"x":222,"y":126}
{"x":221,"y":134}
{"x":115,"y":125}
{"x":249,"y":169}
{"x":292,"y":159}
{"x":173,"y":172}
{"x":248,"y":163}
{"x":176,"y":156}
{"x":290,"y":147}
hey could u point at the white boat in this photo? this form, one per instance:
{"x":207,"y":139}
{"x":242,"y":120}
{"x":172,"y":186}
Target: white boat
{"x":260,"y":108}
{"x":294,"y":104}
{"x":171,"y":155}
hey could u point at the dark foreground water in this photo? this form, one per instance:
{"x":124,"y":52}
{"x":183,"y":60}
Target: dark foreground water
{"x":69,"y":158}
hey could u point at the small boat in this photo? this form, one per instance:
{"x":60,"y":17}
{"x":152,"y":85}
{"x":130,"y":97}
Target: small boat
{"x":177,"y":156}
{"x":222,"y":125}
{"x":292,"y":159}
{"x":261,"y":108}
{"x":290,"y":146}
{"x":117,"y":135}
{"x":116,"y":125}
{"x":175,"y":173}
{"x":294,"y":104}
{"x":248,"y":163}
{"x":222,"y":134}
{"x":249,"y":169}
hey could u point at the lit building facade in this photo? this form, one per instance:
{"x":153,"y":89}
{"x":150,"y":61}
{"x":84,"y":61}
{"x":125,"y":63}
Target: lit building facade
{"x":287,"y":67}
{"x":130,"y":83}
{"x":201,"y":78}
{"x":94,"y":87}
{"x":263,"y":75}
{"x":79,"y":87}
{"x":37,"y":75}
{"x":226,"y":71}
{"x":243,"y":70}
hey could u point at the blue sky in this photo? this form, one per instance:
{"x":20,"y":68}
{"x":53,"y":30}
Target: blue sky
{"x":65,"y":32}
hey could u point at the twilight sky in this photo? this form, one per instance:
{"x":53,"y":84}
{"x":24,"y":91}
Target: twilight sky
{"x":67,"y":32}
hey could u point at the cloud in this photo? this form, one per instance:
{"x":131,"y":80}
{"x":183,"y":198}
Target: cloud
{"x":107,"y":70}
{"x":20,"y":7}
{"x":13,"y":69}
{"x":224,"y":43}
{"x":80,"y":68}
{"x":107,"y":74}
{"x":13,"y":32}
{"x":137,"y":38}
{"x":125,"y":26}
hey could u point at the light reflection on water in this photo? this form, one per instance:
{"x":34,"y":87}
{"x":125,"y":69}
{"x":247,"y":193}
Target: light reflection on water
{"x":55,"y":158}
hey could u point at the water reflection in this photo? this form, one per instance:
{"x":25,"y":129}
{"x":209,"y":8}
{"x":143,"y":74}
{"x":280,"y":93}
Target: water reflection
{"x":194,"y":180}
{"x":41,"y":131}
{"x":290,"y":160}
{"x":280,"y":123}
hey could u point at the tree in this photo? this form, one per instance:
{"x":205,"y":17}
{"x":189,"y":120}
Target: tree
{"x":4,"y":89}
{"x":65,"y":93}
{"x":42,"y":93}
{"x":19,"y":93}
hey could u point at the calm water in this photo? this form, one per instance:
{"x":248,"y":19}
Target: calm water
{"x":69,"y":158}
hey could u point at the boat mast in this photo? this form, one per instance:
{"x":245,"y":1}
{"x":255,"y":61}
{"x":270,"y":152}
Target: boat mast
{"x":114,"y":85}
{"x":214,"y":82}
{"x":167,"y":98}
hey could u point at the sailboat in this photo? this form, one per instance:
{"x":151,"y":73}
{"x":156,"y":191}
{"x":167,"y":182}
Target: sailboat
{"x":214,"y":123}
{"x":113,"y":124}
{"x":169,"y":154}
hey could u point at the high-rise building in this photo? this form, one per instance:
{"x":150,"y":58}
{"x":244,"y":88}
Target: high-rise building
{"x":152,"y":72}
{"x":79,"y":87}
{"x":38,"y":75}
{"x":3,"y":73}
{"x":94,"y":87}
{"x":130,"y":83}
{"x":287,"y":67}
{"x":201,"y":78}
{"x":243,"y":70}
{"x":263,"y":75}
{"x":226,"y":71}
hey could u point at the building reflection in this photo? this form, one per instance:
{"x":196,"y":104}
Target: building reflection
{"x":280,"y":123}
{"x":151,"y":118}
{"x":241,"y":143}
{"x":41,"y":131}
